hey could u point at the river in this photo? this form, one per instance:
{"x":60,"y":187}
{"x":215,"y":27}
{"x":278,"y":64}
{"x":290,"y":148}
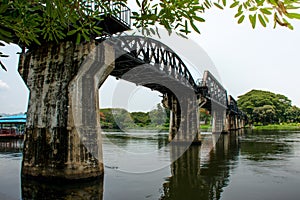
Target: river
{"x":141,"y":165}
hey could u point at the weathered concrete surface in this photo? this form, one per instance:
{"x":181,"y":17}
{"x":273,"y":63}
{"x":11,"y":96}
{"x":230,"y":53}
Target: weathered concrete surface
{"x":55,"y":147}
{"x":234,"y":122}
{"x":184,"y":118}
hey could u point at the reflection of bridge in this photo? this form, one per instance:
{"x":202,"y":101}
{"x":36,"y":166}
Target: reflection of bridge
{"x":11,"y":145}
{"x":197,"y":174}
{"x":194,"y":178}
{"x":62,"y":138}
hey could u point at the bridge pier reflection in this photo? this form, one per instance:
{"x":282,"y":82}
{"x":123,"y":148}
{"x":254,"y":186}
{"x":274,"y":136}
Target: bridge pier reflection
{"x":39,"y":190}
{"x":202,"y":173}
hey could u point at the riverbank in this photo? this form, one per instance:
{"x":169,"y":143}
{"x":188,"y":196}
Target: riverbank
{"x":205,"y":127}
{"x":284,"y":126}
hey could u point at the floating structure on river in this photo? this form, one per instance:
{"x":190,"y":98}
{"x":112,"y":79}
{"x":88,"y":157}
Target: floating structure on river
{"x":12,"y":126}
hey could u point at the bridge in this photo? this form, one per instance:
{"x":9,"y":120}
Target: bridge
{"x":63,"y":138}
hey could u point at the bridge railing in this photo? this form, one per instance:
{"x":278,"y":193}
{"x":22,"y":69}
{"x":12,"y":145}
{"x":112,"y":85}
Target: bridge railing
{"x":116,"y":9}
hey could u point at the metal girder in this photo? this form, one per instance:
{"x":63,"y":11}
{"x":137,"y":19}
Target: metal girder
{"x":133,"y":51}
{"x":215,"y":92}
{"x":232,"y":105}
{"x":161,"y":62}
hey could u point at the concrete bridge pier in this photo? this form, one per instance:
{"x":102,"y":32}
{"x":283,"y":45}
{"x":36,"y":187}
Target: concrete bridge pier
{"x":184,"y":119}
{"x":218,"y":120}
{"x":242,"y":123}
{"x":227,"y":124}
{"x":60,"y":143}
{"x":237,"y":126}
{"x":231,"y":121}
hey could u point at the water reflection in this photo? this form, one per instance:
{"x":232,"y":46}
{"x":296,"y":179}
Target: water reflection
{"x":237,"y":162}
{"x":39,"y":190}
{"x":267,"y":145}
{"x":194,"y":178}
{"x":11,"y":145}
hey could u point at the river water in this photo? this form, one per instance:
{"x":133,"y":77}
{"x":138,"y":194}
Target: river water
{"x":141,"y":165}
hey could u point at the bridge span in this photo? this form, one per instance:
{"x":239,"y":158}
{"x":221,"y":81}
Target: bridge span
{"x":63,"y":138}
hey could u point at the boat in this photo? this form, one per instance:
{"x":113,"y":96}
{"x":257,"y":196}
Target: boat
{"x":12,"y":126}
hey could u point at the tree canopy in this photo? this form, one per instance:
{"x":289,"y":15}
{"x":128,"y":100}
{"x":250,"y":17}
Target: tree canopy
{"x":33,"y":22}
{"x":117,"y":118}
{"x":267,"y":107}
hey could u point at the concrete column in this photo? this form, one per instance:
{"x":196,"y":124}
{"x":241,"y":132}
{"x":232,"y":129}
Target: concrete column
{"x":174,"y":115}
{"x":224,"y":122}
{"x":56,"y":146}
{"x":184,"y":120}
{"x":227,"y":123}
{"x":238,"y":123}
{"x":213,"y":121}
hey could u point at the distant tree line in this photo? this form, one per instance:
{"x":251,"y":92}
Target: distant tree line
{"x":268,"y":108}
{"x":118,"y":118}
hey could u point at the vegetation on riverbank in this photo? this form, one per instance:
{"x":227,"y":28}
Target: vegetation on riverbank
{"x":264,"y":107}
{"x":283,"y":126}
{"x":157,"y":119}
{"x":265,"y":111}
{"x":205,"y":127}
{"x":120,"y":119}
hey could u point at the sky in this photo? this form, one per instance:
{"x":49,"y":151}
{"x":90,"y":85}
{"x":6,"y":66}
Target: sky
{"x":246,"y":59}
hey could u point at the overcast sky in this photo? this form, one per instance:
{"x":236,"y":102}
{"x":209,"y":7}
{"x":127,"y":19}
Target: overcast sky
{"x":263,"y":58}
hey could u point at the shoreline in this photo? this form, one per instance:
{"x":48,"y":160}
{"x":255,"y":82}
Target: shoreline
{"x":285,"y":126}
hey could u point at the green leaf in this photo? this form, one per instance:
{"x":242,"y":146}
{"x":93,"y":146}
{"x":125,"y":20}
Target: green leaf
{"x":224,"y":2}
{"x":252,"y":19}
{"x":199,"y":19}
{"x":266,"y":18}
{"x":36,"y":41}
{"x":5,"y":33}
{"x":152,"y":31}
{"x":265,"y":11}
{"x":293,"y":15}
{"x":288,"y":24}
{"x":253,"y":9}
{"x":240,"y":8}
{"x":234,"y":4}
{"x":194,"y":27}
{"x":218,"y":5}
{"x":290,"y":7}
{"x":238,"y":14}
{"x":3,"y":8}
{"x":72,"y":32}
{"x":78,"y":38}
{"x":138,"y":3}
{"x":241,"y":19}
{"x":262,"y":21}
{"x":85,"y":36}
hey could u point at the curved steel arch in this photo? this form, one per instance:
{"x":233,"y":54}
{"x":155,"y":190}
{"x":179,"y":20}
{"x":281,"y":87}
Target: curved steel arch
{"x":138,"y":50}
{"x":132,"y":51}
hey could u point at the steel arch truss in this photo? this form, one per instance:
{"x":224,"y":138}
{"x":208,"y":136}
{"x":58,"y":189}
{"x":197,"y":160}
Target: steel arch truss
{"x":214,"y":91}
{"x":138,"y":50}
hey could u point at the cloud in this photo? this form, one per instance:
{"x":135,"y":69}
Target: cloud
{"x":3,"y":85}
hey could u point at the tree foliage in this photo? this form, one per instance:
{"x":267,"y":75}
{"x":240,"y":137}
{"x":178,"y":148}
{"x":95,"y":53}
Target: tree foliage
{"x":29,"y":23}
{"x":266,"y":107}
{"x":117,"y":118}
{"x":33,"y":21}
